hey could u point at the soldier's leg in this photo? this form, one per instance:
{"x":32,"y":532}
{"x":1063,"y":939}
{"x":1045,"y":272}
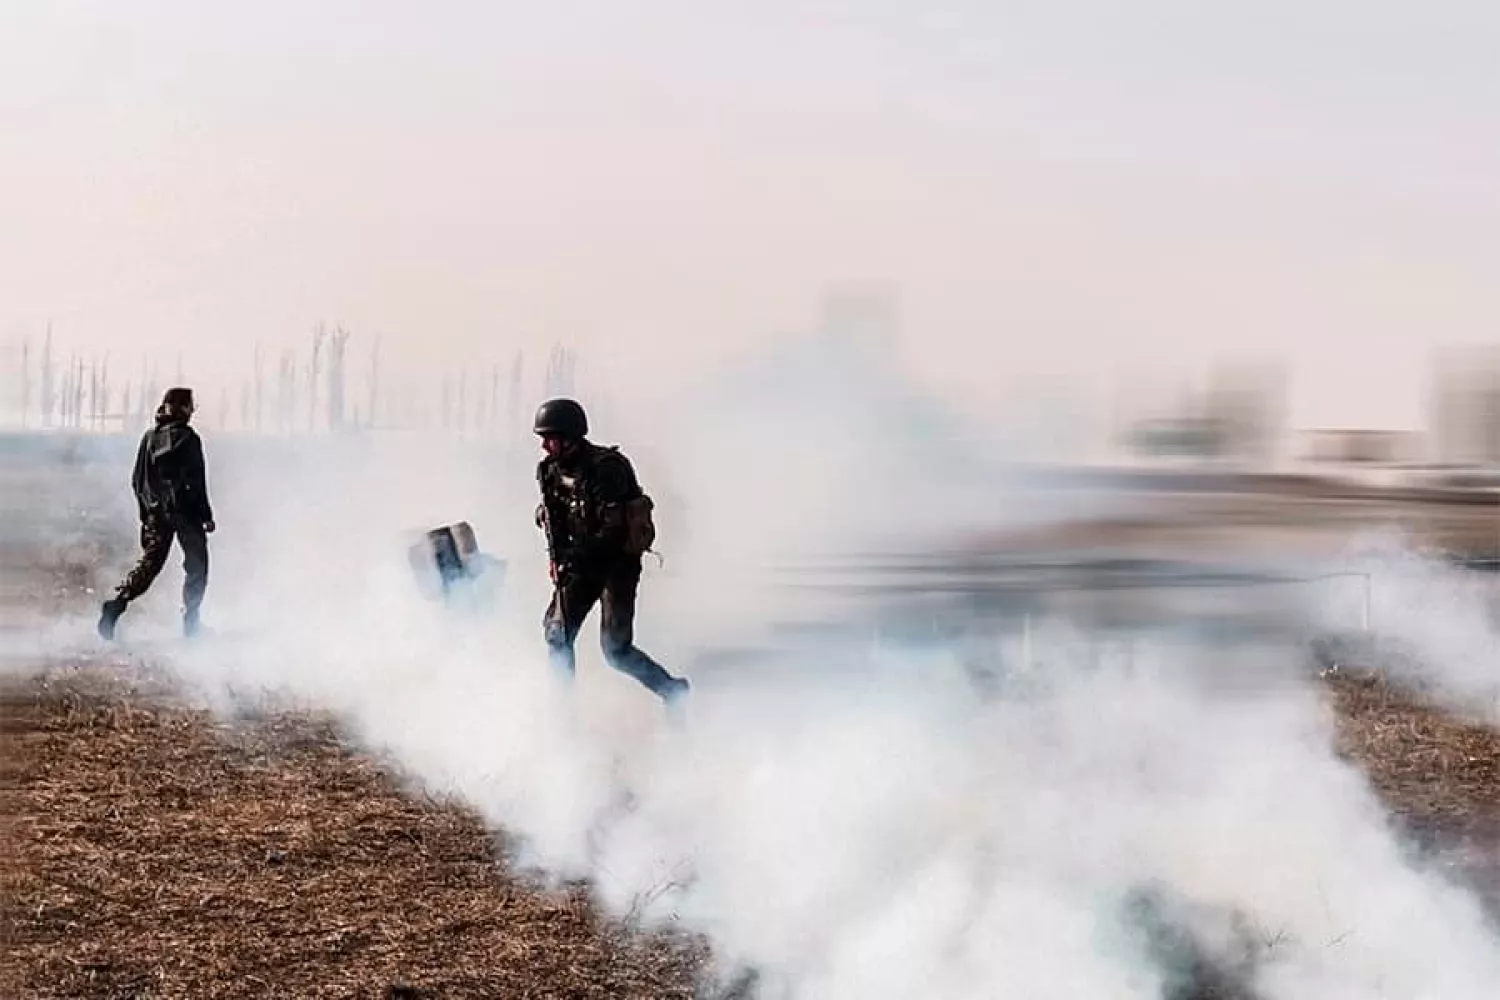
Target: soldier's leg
{"x":617,"y":633}
{"x":572,"y":600}
{"x":156,"y":545}
{"x":194,"y":542}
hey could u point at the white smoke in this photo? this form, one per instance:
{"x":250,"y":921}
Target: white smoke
{"x":1431,"y":624}
{"x":846,"y":820}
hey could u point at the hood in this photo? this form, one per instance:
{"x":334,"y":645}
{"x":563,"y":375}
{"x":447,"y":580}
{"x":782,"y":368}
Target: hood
{"x":168,"y":413}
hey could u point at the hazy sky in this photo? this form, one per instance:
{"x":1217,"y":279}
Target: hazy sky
{"x":1061,"y":187}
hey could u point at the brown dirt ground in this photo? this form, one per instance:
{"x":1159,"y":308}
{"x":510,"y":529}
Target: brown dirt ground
{"x":156,"y":851}
{"x":1439,"y":775}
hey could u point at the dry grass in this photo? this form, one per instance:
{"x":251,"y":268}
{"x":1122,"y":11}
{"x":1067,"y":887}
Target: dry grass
{"x":155,"y":853}
{"x":1438,"y":775}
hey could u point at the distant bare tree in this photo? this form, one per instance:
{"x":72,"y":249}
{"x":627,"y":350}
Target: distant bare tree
{"x":153,"y":395}
{"x":103,"y":406}
{"x":25,"y":381}
{"x":150,"y":392}
{"x":374,"y":386}
{"x":64,"y":401}
{"x":260,"y":390}
{"x":49,"y":385}
{"x":78,"y":393}
{"x":64,"y":395}
{"x":286,"y":392}
{"x":560,"y":369}
{"x":513,"y":404}
{"x":337,"y":379}
{"x":314,"y":367}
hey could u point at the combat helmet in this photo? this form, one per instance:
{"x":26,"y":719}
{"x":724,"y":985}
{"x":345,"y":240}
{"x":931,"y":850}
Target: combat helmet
{"x":561,"y":418}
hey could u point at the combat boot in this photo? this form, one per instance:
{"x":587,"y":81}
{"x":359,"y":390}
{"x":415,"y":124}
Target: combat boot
{"x":109,"y":614}
{"x":191,"y":625}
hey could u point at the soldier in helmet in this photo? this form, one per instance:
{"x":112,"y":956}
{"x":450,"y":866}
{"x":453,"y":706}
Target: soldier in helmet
{"x":598,"y":525}
{"x":171,"y":495}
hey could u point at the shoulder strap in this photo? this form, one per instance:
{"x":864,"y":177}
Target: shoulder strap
{"x":611,"y":455}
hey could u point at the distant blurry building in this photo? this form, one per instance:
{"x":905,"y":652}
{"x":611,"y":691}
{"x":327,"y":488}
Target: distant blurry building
{"x":1248,"y":404}
{"x":1465,"y":407}
{"x":1238,"y":420}
{"x":1358,"y":447}
{"x":1178,"y":438}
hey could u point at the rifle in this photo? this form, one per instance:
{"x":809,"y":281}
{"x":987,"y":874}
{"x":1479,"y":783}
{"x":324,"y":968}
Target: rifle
{"x":554,"y":567}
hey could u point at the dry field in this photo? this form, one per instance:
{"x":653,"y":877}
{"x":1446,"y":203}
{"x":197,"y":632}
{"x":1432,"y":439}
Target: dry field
{"x":154,"y":850}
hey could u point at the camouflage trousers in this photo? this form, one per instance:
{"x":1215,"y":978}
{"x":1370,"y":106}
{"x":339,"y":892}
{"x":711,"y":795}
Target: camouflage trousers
{"x":157,"y":533}
{"x":614,"y":589}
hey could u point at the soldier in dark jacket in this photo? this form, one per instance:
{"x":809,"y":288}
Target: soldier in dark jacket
{"x":171,"y":495}
{"x":598,"y":525}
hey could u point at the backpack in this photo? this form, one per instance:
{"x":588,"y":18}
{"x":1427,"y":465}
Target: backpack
{"x":640,"y":523}
{"x":640,"y":526}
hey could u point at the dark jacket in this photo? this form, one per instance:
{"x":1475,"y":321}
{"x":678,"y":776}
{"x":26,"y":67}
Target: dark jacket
{"x":583,"y":502}
{"x":170,"y":476}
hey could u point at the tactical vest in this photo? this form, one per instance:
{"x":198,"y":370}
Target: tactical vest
{"x":569,"y":490}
